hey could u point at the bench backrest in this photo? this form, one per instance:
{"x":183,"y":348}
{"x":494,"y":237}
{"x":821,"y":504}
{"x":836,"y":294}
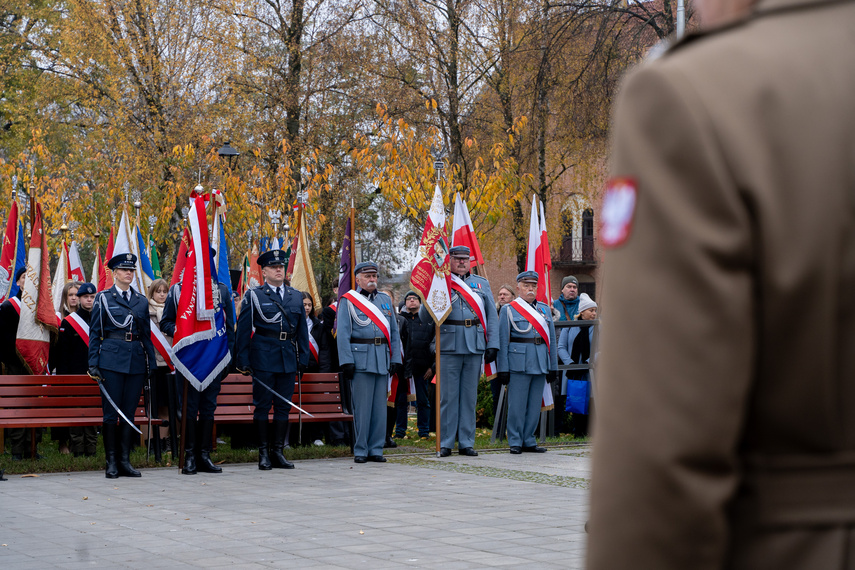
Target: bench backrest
{"x":316,"y":393}
{"x":67,"y":396}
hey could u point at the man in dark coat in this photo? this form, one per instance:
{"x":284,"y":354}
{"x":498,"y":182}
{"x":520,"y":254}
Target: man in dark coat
{"x":272,"y":344}
{"x":416,"y":337}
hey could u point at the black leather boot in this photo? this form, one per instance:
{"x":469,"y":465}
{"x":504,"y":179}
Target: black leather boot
{"x":124,"y":464}
{"x":203,"y":461}
{"x":108,"y":430}
{"x":189,"y":447}
{"x":263,"y":457}
{"x":280,"y":430}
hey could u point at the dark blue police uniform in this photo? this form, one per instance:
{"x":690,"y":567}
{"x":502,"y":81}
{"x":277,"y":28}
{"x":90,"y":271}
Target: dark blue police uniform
{"x":272,"y":343}
{"x":122,"y":355}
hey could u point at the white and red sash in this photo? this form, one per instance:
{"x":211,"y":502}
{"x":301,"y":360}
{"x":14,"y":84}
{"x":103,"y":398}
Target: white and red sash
{"x":334,"y":306}
{"x":477,"y":305}
{"x":533,"y":317}
{"x":16,"y":302}
{"x":161,"y":344}
{"x":313,"y":345}
{"x":373,"y":313}
{"x":80,"y":326}
{"x":474,"y":301}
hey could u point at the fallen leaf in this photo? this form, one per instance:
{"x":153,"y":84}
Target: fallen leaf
{"x":149,"y":505}
{"x":85,"y":498}
{"x":29,"y":475}
{"x":361,"y":532}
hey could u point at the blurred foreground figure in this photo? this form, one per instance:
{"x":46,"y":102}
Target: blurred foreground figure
{"x":725,"y":432}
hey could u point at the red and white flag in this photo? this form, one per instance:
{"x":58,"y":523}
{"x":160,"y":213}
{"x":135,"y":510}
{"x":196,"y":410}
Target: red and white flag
{"x":75,"y":268}
{"x":181,"y":260}
{"x":7,"y":257}
{"x":38,"y":317}
{"x":463,"y":232}
{"x":537,"y":248}
{"x":544,"y":285}
{"x":429,"y":277}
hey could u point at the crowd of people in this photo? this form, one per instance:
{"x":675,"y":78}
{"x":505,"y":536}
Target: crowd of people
{"x":385,"y":353}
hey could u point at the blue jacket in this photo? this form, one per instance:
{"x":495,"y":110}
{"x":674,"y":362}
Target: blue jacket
{"x":565,"y":343}
{"x":263,"y":350}
{"x":109,"y":312}
{"x":520,"y":357}
{"x":460,"y":339}
{"x":370,"y":358}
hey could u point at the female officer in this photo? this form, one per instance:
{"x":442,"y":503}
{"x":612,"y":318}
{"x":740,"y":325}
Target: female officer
{"x":121,"y":356}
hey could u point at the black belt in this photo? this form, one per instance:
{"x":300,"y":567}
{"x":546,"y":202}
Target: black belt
{"x":126,"y":336}
{"x":527,"y":340}
{"x":463,"y":323}
{"x":280,"y":335}
{"x":377,"y":340}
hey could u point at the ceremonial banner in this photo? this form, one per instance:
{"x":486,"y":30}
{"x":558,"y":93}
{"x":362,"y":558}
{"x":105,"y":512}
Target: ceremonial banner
{"x":75,"y":268}
{"x":7,"y":257}
{"x":345,"y":268}
{"x":181,"y":260}
{"x":155,"y":260}
{"x":126,"y":242}
{"x":145,"y":272}
{"x":303,"y":277}
{"x":535,"y":253}
{"x":429,"y":277}
{"x":200,"y":349}
{"x":38,"y":317}
{"x":60,"y":278}
{"x":105,"y":271}
{"x":222,"y":260}
{"x":20,"y":259}
{"x":544,"y":283}
{"x":463,"y":232}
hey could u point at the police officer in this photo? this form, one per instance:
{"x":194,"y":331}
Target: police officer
{"x":366,"y":327}
{"x":198,"y":433}
{"x":272,"y":344}
{"x":463,"y":347}
{"x":70,"y":355}
{"x":528,"y":357}
{"x":121,"y":355}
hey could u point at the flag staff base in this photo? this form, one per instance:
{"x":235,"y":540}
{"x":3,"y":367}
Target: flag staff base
{"x":438,"y":398}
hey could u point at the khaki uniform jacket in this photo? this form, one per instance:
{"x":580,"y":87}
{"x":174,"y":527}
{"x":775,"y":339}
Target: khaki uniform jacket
{"x":725,"y":434}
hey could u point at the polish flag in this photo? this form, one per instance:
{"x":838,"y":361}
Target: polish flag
{"x":181,"y":260}
{"x":463,"y":233}
{"x":75,"y":268}
{"x":544,"y":287}
{"x":535,"y":252}
{"x":38,"y":317}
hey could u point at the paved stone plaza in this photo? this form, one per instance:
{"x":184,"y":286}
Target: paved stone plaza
{"x":520,"y":511}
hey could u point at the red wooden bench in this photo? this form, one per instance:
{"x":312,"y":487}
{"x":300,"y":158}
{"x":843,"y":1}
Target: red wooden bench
{"x":53,"y":401}
{"x":318,"y":394}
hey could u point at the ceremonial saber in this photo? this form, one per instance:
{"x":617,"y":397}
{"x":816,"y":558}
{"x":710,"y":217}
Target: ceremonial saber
{"x":115,"y":407}
{"x":281,"y":397}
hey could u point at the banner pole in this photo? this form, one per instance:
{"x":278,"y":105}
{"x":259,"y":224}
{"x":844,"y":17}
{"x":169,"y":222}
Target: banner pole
{"x":437,"y":399}
{"x":183,"y":424}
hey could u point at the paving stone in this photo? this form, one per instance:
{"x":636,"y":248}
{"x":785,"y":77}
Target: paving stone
{"x":495,"y":510}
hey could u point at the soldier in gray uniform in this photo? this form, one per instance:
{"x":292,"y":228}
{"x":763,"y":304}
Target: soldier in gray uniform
{"x":121,"y":355}
{"x":367,"y":359}
{"x":525,"y":363}
{"x":272,"y":345}
{"x":463,"y":346}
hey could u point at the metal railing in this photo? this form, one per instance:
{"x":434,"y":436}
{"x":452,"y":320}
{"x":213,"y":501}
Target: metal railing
{"x":578,"y":250}
{"x":547,"y":418}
